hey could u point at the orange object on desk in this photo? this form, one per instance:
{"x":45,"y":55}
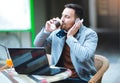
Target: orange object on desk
{"x":9,"y":63}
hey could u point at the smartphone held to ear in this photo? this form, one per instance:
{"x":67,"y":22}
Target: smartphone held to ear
{"x":77,"y":20}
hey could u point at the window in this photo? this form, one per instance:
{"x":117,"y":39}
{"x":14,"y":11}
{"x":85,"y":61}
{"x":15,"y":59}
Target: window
{"x":15,"y":15}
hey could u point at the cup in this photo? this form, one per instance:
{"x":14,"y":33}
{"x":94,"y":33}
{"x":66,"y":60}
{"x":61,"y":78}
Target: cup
{"x":56,"y":23}
{"x":4,"y":56}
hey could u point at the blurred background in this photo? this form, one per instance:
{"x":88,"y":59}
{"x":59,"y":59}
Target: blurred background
{"x":21,"y":20}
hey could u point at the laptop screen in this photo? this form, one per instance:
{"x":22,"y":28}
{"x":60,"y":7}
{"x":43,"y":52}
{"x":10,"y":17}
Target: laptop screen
{"x":29,"y":60}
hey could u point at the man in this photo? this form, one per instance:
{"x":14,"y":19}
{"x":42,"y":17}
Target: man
{"x":73,"y":49}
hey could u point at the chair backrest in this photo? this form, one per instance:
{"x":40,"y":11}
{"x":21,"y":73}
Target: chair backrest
{"x":101,"y":64}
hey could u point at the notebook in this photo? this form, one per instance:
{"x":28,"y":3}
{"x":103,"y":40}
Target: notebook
{"x":32,"y":61}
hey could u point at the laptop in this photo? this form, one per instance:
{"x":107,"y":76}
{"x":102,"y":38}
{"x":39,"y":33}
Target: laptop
{"x":32,"y":61}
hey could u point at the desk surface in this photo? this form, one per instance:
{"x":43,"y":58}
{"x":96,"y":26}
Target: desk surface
{"x":10,"y":76}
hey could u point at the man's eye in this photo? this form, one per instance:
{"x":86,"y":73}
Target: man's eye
{"x":67,"y":17}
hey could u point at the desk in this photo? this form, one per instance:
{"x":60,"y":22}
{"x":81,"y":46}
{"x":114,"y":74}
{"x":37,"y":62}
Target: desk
{"x":11,"y":76}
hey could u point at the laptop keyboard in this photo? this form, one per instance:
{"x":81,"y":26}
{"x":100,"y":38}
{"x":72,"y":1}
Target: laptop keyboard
{"x":56,"y":70}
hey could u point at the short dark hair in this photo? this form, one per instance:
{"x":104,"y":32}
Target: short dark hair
{"x":78,"y":9}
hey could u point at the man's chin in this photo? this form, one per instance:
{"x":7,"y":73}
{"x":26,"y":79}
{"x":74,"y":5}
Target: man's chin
{"x":62,"y":27}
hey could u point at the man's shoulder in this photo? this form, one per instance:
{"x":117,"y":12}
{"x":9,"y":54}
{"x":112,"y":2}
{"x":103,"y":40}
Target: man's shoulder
{"x":87,"y":29}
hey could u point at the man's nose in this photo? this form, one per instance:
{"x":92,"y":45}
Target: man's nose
{"x":62,"y":19}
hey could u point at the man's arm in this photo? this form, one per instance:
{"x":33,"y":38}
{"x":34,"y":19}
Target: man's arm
{"x":44,"y":33}
{"x":83,"y":51}
{"x":41,"y":37}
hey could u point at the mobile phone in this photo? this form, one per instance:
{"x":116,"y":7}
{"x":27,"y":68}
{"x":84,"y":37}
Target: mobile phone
{"x":77,"y":20}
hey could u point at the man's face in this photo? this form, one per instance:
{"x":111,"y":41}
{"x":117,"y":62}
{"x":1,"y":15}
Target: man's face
{"x":68,"y":18}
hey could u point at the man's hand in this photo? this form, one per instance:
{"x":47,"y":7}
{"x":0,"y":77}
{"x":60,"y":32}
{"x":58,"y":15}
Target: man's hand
{"x":48,"y":25}
{"x":74,"y":29}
